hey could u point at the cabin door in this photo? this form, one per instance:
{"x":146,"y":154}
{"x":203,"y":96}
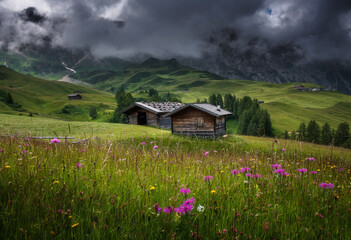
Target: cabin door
{"x":142,"y":118}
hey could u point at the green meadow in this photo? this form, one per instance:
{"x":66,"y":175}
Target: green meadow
{"x":134,"y":182}
{"x":49,"y":98}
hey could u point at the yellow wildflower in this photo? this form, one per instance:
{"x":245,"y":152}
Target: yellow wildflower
{"x":75,"y":225}
{"x":70,"y":217}
{"x":152,"y":188}
{"x":222,"y":171}
{"x":55,"y":182}
{"x":213,"y":191}
{"x":7,"y":166}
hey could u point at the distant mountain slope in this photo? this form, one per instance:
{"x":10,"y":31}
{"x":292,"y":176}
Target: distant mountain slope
{"x":258,"y":60}
{"x":31,"y":94}
{"x":54,"y":63}
{"x":280,"y":64}
{"x":160,"y":74}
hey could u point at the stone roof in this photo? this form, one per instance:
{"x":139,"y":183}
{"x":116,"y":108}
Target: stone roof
{"x":205,"y":107}
{"x":73,"y":95}
{"x":155,"y":107}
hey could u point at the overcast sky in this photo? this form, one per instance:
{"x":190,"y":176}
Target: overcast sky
{"x":171,"y":28}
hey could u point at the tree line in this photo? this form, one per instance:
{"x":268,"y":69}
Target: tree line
{"x":312,"y":132}
{"x":252,"y":119}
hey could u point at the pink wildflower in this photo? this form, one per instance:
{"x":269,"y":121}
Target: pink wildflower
{"x":168,"y":210}
{"x":206,"y":153}
{"x":142,"y":143}
{"x":208,"y":178}
{"x":284,"y":149}
{"x":185,"y":191}
{"x":59,"y":211}
{"x":2,"y":150}
{"x":311,"y":159}
{"x":79,"y":165}
{"x":155,"y":147}
{"x":234,"y":172}
{"x":157,"y":208}
{"x":302,"y":170}
{"x":55,"y":140}
{"x":281,"y":172}
{"x":276,"y":166}
{"x":245,"y":169}
{"x":313,"y":172}
{"x":256,"y":176}
{"x":326,"y":185}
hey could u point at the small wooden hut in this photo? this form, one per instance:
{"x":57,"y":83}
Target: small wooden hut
{"x":151,"y":114}
{"x":75,"y":96}
{"x":200,"y":119}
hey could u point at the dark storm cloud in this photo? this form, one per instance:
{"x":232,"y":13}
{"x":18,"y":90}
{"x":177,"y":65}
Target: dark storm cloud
{"x":31,"y":14}
{"x":165,"y":28}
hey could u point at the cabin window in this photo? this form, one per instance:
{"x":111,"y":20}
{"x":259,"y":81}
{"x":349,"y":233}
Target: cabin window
{"x":200,"y":121}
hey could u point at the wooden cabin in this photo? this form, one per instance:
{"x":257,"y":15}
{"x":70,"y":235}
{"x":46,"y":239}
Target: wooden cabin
{"x":75,"y":96}
{"x":151,"y":114}
{"x":199,"y":119}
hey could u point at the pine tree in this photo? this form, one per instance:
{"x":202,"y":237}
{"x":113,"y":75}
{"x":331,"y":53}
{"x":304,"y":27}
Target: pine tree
{"x":219,"y":100}
{"x":342,"y":134}
{"x":326,"y":136}
{"x":313,"y":132}
{"x":123,"y":101}
{"x":302,"y":131}
{"x":253,"y":126}
{"x":229,"y":102}
{"x":244,"y":121}
{"x":213,"y":99}
{"x":120,"y":94}
{"x":267,"y":124}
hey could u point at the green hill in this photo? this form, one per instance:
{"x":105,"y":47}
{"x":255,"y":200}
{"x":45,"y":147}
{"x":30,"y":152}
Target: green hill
{"x":38,"y":96}
{"x":287,"y":106}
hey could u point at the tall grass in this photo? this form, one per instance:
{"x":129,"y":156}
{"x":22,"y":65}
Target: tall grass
{"x":109,"y":188}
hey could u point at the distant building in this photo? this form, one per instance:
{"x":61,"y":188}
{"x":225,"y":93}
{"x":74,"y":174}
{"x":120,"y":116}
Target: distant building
{"x":260,"y":102}
{"x":151,"y":114}
{"x":199,"y":119}
{"x":75,"y":96}
{"x":299,"y":87}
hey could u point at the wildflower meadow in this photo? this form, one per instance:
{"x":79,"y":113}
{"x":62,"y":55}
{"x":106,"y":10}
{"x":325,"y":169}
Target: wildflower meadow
{"x":171,"y":187}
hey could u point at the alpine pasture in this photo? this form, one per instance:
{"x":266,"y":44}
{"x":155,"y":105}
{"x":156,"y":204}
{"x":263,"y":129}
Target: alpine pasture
{"x":132,"y":182}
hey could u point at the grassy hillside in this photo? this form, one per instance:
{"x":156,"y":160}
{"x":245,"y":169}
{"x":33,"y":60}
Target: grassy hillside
{"x":288,"y":107}
{"x":45,"y":97}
